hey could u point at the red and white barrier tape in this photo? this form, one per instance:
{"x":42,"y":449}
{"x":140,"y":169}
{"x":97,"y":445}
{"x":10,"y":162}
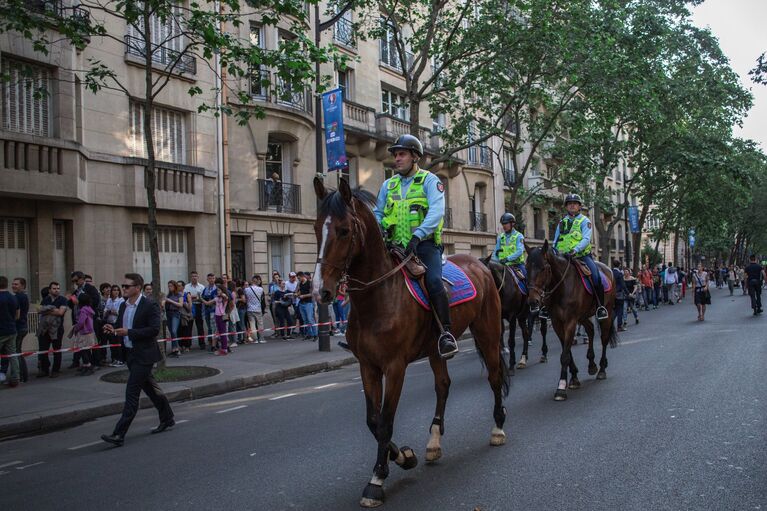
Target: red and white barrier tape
{"x":169,"y":339}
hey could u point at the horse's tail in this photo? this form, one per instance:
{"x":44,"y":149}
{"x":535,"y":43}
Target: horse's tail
{"x":506,"y":370}
{"x":613,"y":336}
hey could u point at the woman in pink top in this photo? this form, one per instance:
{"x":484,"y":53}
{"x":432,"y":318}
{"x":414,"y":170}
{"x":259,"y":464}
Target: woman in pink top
{"x":222,"y":315}
{"x":84,"y":336}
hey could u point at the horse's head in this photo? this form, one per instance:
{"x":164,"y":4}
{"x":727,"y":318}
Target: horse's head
{"x":539,"y":261}
{"x":496,"y":269}
{"x":340,"y":229}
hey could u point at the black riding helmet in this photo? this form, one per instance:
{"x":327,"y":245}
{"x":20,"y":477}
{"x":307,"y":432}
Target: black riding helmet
{"x":409,"y":143}
{"x":573,"y":197}
{"x":507,"y":218}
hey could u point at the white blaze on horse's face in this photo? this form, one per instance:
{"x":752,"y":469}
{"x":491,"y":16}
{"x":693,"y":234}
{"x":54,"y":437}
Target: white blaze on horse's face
{"x":317,"y":282}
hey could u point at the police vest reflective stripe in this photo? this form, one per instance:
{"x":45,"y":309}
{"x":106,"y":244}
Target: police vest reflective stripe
{"x":403,"y":215}
{"x":509,"y":246}
{"x":570,"y":236}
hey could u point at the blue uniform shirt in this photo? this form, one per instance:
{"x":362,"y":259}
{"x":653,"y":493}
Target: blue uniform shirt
{"x":585,"y":231}
{"x":520,"y":245}
{"x":434,"y":194}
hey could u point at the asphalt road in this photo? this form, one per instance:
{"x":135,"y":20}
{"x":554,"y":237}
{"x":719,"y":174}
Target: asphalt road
{"x":678,"y":424}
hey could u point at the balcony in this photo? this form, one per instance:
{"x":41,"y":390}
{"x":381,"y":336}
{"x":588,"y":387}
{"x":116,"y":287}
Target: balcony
{"x":389,"y":56}
{"x":478,"y":221}
{"x":359,"y":117}
{"x":279,"y":197}
{"x":287,"y":95}
{"x":343,"y":33}
{"x":480,"y":156}
{"x":55,"y":9}
{"x":448,"y":218}
{"x":391,"y":127}
{"x":508,"y":177}
{"x":172,"y":60}
{"x":259,"y":84}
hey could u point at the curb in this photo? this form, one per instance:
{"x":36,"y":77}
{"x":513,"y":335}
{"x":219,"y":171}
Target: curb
{"x":45,"y":423}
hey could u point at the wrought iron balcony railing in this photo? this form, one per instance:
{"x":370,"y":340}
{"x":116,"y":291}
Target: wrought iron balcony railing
{"x":478,"y":221}
{"x":56,"y":9}
{"x":162,"y":55}
{"x":343,"y":32}
{"x":278,"y":196}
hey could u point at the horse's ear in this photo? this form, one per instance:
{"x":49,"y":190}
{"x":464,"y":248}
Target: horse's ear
{"x":486,"y":260}
{"x":346,"y":191}
{"x":528,"y":248}
{"x":319,"y":188}
{"x":545,"y":247}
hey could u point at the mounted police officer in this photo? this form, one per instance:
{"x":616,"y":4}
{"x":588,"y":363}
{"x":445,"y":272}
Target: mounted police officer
{"x":510,"y":246}
{"x":573,"y":238}
{"x":410,"y":209}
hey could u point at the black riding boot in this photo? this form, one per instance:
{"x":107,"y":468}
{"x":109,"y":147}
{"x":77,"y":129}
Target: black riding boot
{"x":599,"y":293}
{"x":447,"y":345}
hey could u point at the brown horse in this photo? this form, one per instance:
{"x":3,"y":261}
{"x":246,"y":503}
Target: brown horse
{"x":555,"y":282}
{"x":387,"y":329}
{"x":515,"y":310}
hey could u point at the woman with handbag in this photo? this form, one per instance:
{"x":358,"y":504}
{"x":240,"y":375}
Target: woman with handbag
{"x":702,"y":294}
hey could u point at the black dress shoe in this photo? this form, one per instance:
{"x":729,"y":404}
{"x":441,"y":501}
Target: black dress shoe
{"x":116,"y":440}
{"x":163,"y":426}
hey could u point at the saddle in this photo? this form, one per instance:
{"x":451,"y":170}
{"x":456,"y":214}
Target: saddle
{"x":413,"y":268}
{"x":517,"y":273}
{"x":582,"y":267}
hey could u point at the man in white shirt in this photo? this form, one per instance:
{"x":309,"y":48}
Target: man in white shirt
{"x":254,"y":295}
{"x":195,"y":289}
{"x":671,"y":281}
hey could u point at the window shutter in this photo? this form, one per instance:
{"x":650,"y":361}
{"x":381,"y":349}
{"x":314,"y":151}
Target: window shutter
{"x":21,"y":233}
{"x":59,"y":234}
{"x":2,"y":233}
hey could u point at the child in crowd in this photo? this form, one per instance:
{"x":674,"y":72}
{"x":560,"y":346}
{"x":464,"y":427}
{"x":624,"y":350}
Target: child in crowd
{"x":84,"y":336}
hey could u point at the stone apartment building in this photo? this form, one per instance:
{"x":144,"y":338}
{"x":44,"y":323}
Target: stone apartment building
{"x":72,"y":182}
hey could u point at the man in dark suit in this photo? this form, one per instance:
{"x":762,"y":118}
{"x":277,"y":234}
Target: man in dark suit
{"x":138,"y":323}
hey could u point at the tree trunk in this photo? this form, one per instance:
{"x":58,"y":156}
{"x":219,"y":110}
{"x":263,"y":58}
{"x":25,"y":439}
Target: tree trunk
{"x":637,"y":237}
{"x":415,"y":119}
{"x":675,"y":258}
{"x":150,"y":173}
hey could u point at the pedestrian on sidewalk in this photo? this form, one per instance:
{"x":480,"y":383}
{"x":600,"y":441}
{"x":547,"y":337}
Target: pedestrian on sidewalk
{"x":306,"y":305}
{"x":631,"y":299}
{"x":755,"y":276}
{"x":111,"y":310}
{"x":223,"y":308}
{"x":671,"y":280}
{"x":241,"y":302}
{"x":83,"y":334}
{"x":19,"y":287}
{"x":656,"y":286}
{"x":742,"y":279}
{"x":645,"y":278}
{"x":194,"y":289}
{"x":208,"y":299}
{"x":138,"y":323}
{"x":702,"y":293}
{"x":51,"y":329}
{"x":620,"y":293}
{"x":256,"y":305}
{"x":9,"y":314}
{"x":282,"y":320}
{"x":186,"y":321}
{"x":173,"y":302}
{"x":339,"y":310}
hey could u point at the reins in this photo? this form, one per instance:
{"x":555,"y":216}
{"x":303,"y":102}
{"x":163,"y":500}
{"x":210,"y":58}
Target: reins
{"x":544,"y":292}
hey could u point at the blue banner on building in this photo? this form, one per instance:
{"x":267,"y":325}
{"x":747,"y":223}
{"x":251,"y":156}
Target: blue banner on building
{"x":333,"y":114}
{"x":634,"y":219}
{"x":692,"y":238}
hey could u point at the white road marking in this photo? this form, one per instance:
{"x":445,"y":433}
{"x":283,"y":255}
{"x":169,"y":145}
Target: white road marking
{"x":12,"y":463}
{"x":421,"y":362}
{"x":31,"y":465}
{"x":3,"y":472}
{"x":282,"y":396}
{"x":232,"y":409}
{"x":357,"y":378}
{"x":84,"y":445}
{"x":182,"y":421}
{"x":252,"y":454}
{"x":325,"y":386}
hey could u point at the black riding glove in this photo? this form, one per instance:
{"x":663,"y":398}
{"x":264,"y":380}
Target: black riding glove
{"x":414,"y":241}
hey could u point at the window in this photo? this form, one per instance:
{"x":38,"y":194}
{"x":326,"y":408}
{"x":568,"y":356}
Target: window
{"x":395,"y":105}
{"x":172,"y":245}
{"x":274,"y":160}
{"x":344,"y":82}
{"x":388,"y":48}
{"x":508,"y":165}
{"x":168,"y":133}
{"x":26,"y":98}
{"x":438,"y":123}
{"x":349,"y":172}
{"x":258,"y":75}
{"x":167,"y":41}
{"x":343,"y":31}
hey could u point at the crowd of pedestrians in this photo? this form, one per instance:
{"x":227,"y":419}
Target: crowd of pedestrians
{"x":218,"y":315}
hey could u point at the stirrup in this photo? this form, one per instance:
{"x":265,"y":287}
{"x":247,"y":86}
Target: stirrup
{"x":543,"y":313}
{"x":446,"y":345}
{"x":602,"y":313}
{"x":344,"y":345}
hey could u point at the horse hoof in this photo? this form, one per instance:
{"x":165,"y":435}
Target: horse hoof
{"x":498,"y":437}
{"x":592,"y":369}
{"x":411,"y":461}
{"x":602,"y":375}
{"x":544,"y":359}
{"x":574,"y":384}
{"x":521,"y":365}
{"x":373,"y":496}
{"x":560,"y":395}
{"x":433,"y":454}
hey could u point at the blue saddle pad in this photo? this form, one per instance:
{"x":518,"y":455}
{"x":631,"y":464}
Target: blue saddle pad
{"x":606,"y":283}
{"x":460,"y":290}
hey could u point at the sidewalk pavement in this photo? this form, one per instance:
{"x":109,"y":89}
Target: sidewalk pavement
{"x":44,"y":404}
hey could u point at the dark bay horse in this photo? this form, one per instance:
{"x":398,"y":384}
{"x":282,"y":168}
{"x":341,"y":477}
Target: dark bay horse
{"x":553,"y":280}
{"x":514,"y":309}
{"x":387,"y":329}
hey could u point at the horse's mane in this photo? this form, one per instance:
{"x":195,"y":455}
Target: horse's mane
{"x":335,"y":206}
